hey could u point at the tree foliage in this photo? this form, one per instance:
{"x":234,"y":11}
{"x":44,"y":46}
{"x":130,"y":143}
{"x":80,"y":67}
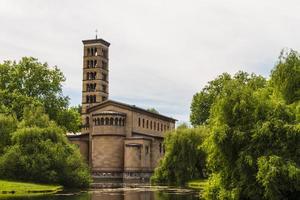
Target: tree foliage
{"x":70,"y":119}
{"x":8,"y":124}
{"x":184,"y":158}
{"x":254,"y":142}
{"x":30,"y":82}
{"x":153,"y":110}
{"x":40,"y":152}
{"x":203,"y":101}
{"x":286,"y":76}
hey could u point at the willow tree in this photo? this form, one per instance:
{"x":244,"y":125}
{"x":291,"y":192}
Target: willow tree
{"x":254,"y":143}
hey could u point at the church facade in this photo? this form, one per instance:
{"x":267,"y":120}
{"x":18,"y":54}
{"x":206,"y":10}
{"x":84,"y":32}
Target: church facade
{"x":117,"y":140}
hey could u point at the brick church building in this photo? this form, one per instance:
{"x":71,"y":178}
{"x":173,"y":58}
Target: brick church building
{"x":117,"y":140}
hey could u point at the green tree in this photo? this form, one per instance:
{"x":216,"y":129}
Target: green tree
{"x":203,"y":101}
{"x":30,"y":82}
{"x":252,"y":131}
{"x":41,"y":152}
{"x":70,"y":119}
{"x":286,"y":76}
{"x":8,"y":124}
{"x":184,"y":158}
{"x":153,"y":110}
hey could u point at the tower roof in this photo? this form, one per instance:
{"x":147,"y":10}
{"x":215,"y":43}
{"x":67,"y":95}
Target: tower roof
{"x":95,"y":41}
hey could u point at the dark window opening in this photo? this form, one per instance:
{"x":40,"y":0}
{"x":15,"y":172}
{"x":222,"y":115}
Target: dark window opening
{"x":104,"y":77}
{"x":104,"y":88}
{"x":147,"y":150}
{"x":105,"y":53}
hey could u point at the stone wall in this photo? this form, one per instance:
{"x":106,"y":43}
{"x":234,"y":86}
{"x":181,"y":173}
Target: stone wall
{"x":107,"y":153}
{"x":137,"y":155}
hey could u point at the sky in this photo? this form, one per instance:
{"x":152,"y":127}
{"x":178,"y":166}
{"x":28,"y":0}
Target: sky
{"x":162,"y":51}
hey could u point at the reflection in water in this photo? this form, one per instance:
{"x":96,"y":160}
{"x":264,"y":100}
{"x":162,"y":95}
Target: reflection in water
{"x":122,"y":194}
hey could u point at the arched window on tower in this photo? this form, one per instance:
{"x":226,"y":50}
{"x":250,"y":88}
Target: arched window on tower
{"x":106,"y":121}
{"x":111,"y":121}
{"x":92,"y":51}
{"x":88,"y":99}
{"x":88,"y":64}
{"x":98,"y":121}
{"x":104,"y":77}
{"x":147,"y":123}
{"x":116,"y":122}
{"x":143,"y":123}
{"x":104,"y":65}
{"x":139,"y":123}
{"x":102,"y":121}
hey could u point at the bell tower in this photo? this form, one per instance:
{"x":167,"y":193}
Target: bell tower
{"x":95,"y":76}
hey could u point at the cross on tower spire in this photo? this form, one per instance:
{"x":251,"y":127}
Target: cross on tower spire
{"x":96,"y":33}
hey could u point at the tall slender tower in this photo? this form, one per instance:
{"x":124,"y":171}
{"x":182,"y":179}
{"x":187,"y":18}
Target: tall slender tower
{"x":95,"y":76}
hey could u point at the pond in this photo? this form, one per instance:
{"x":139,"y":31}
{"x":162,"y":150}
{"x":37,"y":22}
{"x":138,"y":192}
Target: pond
{"x":142,"y":193}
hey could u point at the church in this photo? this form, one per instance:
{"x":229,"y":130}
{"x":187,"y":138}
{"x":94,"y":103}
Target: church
{"x":117,"y":140}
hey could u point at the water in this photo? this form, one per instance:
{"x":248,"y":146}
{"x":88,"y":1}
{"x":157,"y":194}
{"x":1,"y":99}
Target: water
{"x":144,"y":193}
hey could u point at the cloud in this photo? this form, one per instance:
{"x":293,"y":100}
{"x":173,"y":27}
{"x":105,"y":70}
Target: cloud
{"x":162,"y":51}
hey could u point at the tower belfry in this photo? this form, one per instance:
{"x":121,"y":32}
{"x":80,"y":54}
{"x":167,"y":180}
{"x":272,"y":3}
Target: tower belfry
{"x":95,"y":75}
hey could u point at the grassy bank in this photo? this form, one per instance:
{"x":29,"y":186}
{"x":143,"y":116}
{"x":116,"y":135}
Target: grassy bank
{"x":19,"y":188}
{"x":198,"y":184}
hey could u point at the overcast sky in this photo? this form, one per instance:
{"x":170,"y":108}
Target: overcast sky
{"x":162,"y":51}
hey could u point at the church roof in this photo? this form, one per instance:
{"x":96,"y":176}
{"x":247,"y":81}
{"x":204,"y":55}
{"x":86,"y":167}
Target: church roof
{"x":130,"y":107}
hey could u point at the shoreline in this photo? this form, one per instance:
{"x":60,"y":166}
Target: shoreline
{"x":14,"y":188}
